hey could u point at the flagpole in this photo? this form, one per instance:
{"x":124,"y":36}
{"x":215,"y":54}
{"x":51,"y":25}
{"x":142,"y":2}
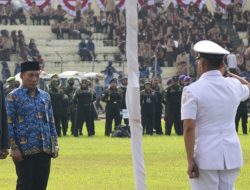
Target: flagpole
{"x":133,"y":94}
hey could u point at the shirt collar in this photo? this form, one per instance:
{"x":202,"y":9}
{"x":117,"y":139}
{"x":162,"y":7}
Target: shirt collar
{"x":26,"y":90}
{"x":213,"y":73}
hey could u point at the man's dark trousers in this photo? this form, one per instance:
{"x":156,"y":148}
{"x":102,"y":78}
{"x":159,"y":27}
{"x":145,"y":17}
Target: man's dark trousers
{"x":33,"y":172}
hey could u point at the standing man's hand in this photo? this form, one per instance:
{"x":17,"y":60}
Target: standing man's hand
{"x":193,"y":171}
{"x":56,"y":153}
{"x":4,"y":153}
{"x":16,"y":155}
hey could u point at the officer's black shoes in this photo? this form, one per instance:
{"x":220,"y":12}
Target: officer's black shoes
{"x":80,"y":134}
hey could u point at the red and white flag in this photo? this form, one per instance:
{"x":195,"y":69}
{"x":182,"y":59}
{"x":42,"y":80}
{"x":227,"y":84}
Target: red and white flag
{"x":223,"y":3}
{"x":40,"y":3}
{"x":70,"y":5}
{"x":101,"y":4}
{"x":198,"y":3}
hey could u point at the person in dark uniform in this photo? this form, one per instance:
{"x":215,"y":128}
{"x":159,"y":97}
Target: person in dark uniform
{"x":181,"y":80}
{"x":124,"y":83}
{"x":187,"y":80}
{"x":4,"y":145}
{"x":242,"y":114}
{"x":70,"y":91}
{"x":158,"y":105}
{"x":64,"y":115}
{"x":10,"y":85}
{"x":113,"y":97}
{"x":56,"y":101}
{"x":93,"y":108}
{"x":164,"y":101}
{"x":17,"y":84}
{"x":148,"y":102}
{"x":172,"y":101}
{"x":84,"y":98}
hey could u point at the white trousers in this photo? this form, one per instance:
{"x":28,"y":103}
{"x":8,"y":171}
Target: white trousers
{"x":215,"y":180}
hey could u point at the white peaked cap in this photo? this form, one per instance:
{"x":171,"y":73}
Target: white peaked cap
{"x":209,"y":47}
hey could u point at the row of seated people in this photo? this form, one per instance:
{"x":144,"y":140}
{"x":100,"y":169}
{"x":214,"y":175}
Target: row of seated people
{"x":62,"y":23}
{"x":85,"y":23}
{"x":73,"y":30}
{"x":14,"y":43}
{"x":9,"y":13}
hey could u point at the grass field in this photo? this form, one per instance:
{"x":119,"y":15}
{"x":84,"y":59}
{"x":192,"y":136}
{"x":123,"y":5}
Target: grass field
{"x":104,"y":163}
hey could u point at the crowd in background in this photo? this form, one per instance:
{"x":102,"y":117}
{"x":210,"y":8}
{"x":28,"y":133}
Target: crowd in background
{"x":166,"y":34}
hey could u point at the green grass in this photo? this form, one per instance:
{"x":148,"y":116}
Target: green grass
{"x":103,"y":163}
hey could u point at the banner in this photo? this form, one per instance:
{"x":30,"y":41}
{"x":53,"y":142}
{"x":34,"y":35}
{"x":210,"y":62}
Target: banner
{"x":140,"y":2}
{"x":223,"y":3}
{"x":121,"y":3}
{"x":4,"y":1}
{"x":198,"y":3}
{"x":101,"y":4}
{"x":70,"y":5}
{"x":42,"y":4}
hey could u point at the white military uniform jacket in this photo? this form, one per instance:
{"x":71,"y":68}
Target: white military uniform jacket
{"x":212,"y":101}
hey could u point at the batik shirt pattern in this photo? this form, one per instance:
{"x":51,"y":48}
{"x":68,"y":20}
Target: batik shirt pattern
{"x":30,"y":121}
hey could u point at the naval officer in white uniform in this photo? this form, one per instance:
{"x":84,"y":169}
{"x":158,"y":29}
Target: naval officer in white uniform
{"x":208,"y":109}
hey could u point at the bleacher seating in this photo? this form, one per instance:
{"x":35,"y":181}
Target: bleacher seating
{"x":62,"y":55}
{"x":56,"y":51}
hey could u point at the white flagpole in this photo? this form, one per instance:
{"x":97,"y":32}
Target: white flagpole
{"x":133,"y":94}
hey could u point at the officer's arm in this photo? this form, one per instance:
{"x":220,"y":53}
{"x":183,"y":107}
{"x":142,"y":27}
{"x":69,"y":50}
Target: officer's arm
{"x":189,"y":139}
{"x":164,"y":99}
{"x":189,"y":110}
{"x":121,"y":95}
{"x":94,"y":97}
{"x":141,"y":98}
{"x":242,"y":80}
{"x":75,"y":97}
{"x":161,"y":94}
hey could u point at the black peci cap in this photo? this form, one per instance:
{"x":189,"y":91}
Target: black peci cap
{"x":30,"y":66}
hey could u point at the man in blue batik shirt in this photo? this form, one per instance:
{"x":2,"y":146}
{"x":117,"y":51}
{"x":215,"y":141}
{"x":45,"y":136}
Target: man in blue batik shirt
{"x":32,"y":133}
